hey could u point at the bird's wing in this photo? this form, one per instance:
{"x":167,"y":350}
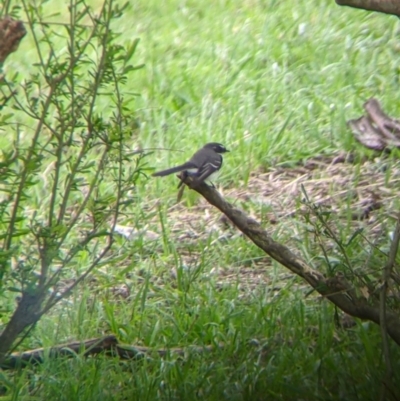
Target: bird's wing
{"x":182,"y":167}
{"x":208,"y":168}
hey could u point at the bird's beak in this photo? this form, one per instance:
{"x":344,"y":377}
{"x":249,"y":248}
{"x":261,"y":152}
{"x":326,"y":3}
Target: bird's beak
{"x":226,"y":150}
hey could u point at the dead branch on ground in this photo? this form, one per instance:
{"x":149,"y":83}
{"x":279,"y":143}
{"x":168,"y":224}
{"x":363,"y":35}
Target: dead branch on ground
{"x":107,"y":345}
{"x":376,"y":130}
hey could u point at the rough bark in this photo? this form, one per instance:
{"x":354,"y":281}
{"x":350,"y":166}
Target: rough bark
{"x":26,"y":314}
{"x":382,"y":6}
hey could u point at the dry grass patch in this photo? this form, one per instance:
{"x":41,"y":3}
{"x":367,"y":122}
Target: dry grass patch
{"x":337,"y":183}
{"x":361,"y":194}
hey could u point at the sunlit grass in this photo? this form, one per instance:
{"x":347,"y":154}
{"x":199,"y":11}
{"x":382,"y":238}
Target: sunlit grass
{"x":275,"y":82}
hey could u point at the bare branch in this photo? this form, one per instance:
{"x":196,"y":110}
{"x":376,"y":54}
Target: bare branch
{"x":386,"y":274}
{"x":336,"y":288}
{"x":381,"y":6}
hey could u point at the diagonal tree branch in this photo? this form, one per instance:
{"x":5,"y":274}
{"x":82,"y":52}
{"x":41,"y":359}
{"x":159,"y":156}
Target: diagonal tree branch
{"x":336,"y":288}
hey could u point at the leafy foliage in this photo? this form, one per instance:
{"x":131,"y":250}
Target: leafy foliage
{"x":65,"y":174}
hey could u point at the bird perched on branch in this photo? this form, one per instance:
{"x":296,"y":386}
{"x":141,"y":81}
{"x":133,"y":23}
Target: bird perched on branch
{"x":202,"y":165}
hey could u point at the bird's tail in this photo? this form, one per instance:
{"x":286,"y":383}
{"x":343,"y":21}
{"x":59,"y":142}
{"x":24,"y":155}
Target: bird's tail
{"x":172,"y":170}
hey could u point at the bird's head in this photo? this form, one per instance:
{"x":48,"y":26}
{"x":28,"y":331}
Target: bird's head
{"x":216,"y":147}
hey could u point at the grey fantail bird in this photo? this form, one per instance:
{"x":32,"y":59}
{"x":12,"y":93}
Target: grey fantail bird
{"x":202,"y":165}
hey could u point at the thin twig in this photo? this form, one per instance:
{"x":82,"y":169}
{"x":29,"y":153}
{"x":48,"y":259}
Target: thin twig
{"x":386,"y":273}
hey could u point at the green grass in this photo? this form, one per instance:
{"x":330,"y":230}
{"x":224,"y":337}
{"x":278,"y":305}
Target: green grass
{"x":275,"y":82}
{"x":275,"y":347}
